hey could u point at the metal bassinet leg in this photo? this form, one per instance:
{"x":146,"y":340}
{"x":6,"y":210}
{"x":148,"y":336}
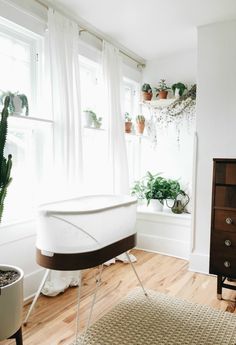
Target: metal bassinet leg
{"x":36,"y":296}
{"x":135,"y":272}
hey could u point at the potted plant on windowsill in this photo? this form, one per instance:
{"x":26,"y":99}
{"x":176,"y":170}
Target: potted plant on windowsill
{"x":178,"y":89}
{"x":18,"y":102}
{"x":128,"y":123}
{"x":147,"y":92}
{"x":140,"y":122}
{"x":11,"y":278}
{"x":97,"y":121}
{"x":163,"y":89}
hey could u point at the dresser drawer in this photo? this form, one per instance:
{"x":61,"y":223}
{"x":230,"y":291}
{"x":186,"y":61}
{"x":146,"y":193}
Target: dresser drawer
{"x":225,"y":220}
{"x":225,"y":196}
{"x":225,"y":173}
{"x":224,"y":265}
{"x":224,"y":243}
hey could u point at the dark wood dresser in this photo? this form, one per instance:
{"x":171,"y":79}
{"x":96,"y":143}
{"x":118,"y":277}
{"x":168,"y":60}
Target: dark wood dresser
{"x":223,"y":223}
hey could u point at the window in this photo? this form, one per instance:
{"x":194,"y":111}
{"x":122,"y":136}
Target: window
{"x":29,"y":139}
{"x":95,"y":141}
{"x":133,"y":143}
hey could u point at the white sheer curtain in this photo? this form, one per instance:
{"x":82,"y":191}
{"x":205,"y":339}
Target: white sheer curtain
{"x":118,"y":176}
{"x":63,"y":62}
{"x":65,"y":92}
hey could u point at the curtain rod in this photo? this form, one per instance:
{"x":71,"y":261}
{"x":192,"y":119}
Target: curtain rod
{"x":139,"y":64}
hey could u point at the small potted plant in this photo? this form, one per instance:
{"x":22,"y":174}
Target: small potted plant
{"x":153,"y":188}
{"x":163,"y":89}
{"x":97,"y":121}
{"x":88,"y":117}
{"x":18,"y":102}
{"x":147,"y":92}
{"x":178,"y":89}
{"x":128,"y":123}
{"x":140,"y":122}
{"x":11,"y":277}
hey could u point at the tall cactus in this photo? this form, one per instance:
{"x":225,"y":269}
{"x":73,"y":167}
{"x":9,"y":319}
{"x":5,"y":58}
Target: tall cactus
{"x":5,"y":164}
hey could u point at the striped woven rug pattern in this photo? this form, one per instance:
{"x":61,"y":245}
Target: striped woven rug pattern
{"x":161,"y":320}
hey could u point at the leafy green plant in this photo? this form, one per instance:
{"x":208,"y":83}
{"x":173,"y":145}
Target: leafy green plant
{"x":146,"y":88}
{"x":97,"y":121}
{"x":140,"y":118}
{"x":162,"y":86}
{"x":179,"y":86}
{"x":5,"y":164}
{"x":155,"y":187}
{"x":128,"y":117}
{"x":22,"y":97}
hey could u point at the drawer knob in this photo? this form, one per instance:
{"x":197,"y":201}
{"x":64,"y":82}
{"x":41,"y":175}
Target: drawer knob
{"x":229,"y":220}
{"x":228,"y":243}
{"x":227,"y":264}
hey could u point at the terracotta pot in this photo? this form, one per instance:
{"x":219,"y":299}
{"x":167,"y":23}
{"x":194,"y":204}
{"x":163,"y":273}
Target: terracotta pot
{"x":163,"y":94}
{"x":147,"y":96}
{"x":140,"y":127}
{"x":128,"y":127}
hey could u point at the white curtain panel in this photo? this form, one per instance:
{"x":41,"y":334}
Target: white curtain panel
{"x":65,"y":92}
{"x":118,"y":177}
{"x":63,"y":62}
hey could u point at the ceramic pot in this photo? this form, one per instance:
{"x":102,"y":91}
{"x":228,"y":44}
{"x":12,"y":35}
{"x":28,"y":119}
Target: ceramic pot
{"x":11,"y":304}
{"x":140,"y":127}
{"x":88,"y":119}
{"x":163,"y":94}
{"x":128,"y":127}
{"x":147,"y":96}
{"x":156,"y":205}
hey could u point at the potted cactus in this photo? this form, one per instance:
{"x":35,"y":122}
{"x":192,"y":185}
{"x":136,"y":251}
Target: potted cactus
{"x":128,"y":123}
{"x":11,"y":278}
{"x":147,"y":92}
{"x":140,"y":122}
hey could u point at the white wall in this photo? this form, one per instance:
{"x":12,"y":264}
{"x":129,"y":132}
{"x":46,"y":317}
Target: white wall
{"x":216,"y":123}
{"x":179,"y":67}
{"x":171,"y":157}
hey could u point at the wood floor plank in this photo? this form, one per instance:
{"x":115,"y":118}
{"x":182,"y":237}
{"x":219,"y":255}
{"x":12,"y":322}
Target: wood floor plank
{"x":53,"y":320}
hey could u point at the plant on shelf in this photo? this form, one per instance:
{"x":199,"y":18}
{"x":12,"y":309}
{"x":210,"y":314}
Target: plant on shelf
{"x":147,"y":92}
{"x":97,"y":121}
{"x":128,"y":123}
{"x":163,"y":89}
{"x":88,"y":117}
{"x":178,"y":89}
{"x":18,"y":102}
{"x":156,"y":189}
{"x":140,"y":121}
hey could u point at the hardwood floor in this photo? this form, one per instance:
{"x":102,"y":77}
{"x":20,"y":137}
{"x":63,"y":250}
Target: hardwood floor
{"x":53,"y":320}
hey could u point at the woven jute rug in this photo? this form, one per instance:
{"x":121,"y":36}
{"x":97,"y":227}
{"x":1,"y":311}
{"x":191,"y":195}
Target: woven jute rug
{"x":163,"y":320}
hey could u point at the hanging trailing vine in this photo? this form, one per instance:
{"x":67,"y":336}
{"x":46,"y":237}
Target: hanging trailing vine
{"x":180,"y":110}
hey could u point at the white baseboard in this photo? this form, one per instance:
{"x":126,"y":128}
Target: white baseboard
{"x":199,"y":263}
{"x":166,"y":246}
{"x":31,"y":283}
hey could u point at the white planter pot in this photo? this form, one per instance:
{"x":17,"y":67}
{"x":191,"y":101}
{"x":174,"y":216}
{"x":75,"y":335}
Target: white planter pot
{"x":156,"y":205}
{"x":11,"y":305}
{"x":88,"y":120}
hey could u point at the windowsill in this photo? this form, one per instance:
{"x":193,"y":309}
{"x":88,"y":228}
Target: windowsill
{"x":13,"y":232}
{"x":165,"y":213}
{"x":29,"y":118}
{"x":93,"y":128}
